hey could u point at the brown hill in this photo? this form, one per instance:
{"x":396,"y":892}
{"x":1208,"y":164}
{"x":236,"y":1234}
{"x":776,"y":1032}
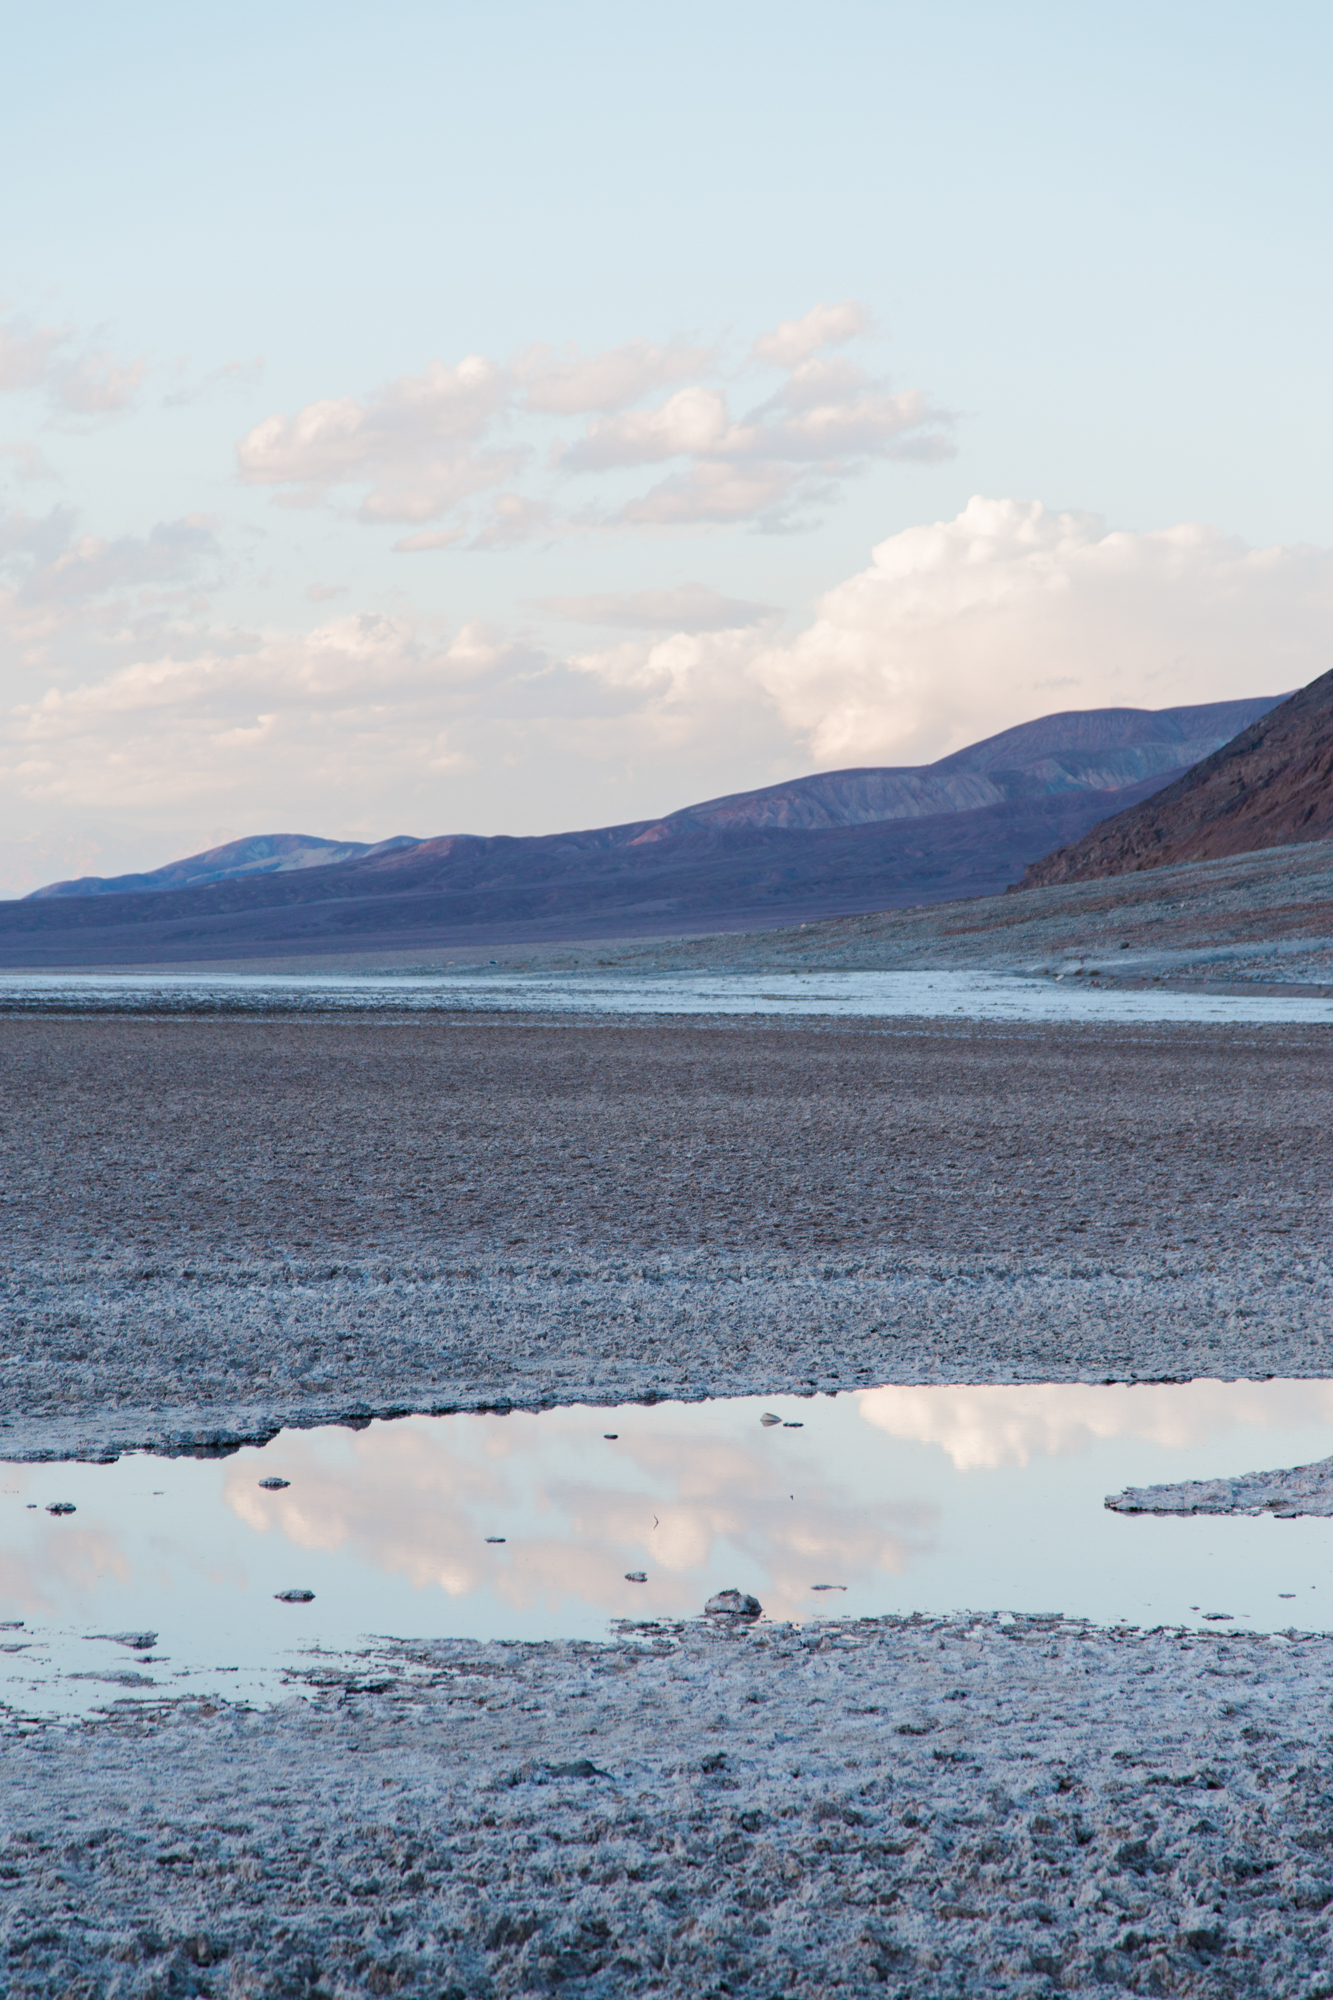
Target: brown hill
{"x":1269,"y":787}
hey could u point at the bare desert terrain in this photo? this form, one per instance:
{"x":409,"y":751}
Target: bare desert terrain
{"x":217,"y":1224}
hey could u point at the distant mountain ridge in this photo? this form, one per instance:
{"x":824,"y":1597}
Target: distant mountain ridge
{"x":1270,"y":786}
{"x":1103,"y":749}
{"x":259,"y":854}
{"x":830,"y":844}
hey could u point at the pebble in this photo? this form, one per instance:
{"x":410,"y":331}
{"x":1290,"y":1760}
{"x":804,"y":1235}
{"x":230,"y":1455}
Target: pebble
{"x":636,"y":1576}
{"x":275,"y":1485}
{"x":62,"y":1507}
{"x":294,"y":1596}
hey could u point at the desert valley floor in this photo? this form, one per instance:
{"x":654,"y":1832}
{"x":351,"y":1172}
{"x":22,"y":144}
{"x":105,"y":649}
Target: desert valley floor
{"x":219,"y":1224}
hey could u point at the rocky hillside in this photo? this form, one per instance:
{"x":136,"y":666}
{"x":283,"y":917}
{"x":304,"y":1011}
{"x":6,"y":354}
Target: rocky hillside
{"x":1272,"y":785}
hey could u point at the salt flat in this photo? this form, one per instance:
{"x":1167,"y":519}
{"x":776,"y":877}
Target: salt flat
{"x":1066,"y":997}
{"x":216,"y":1223}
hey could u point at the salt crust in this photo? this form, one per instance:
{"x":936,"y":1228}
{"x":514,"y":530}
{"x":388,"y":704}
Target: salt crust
{"x":1302,"y":1489}
{"x":932,"y":1806}
{"x":124,"y":1352}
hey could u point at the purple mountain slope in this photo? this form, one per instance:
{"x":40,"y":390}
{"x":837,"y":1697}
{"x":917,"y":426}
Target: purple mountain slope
{"x":819,"y":846}
{"x":260,"y":854}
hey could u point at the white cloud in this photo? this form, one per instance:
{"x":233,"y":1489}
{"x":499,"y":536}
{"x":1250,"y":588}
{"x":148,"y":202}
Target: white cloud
{"x":961,"y":628}
{"x":81,"y":382}
{"x":367,"y":725}
{"x":426,"y":448}
{"x":568,"y":383}
{"x":824,"y":326}
{"x":429,"y":541}
{"x":412,"y":444}
{"x":96,"y":384}
{"x":693,"y":420}
{"x":30,"y":467}
{"x":690,"y":607}
{"x":26,"y":354}
{"x":45,"y":560}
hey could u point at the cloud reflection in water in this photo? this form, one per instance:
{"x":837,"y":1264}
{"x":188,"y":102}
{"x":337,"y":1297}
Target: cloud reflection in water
{"x":419,"y":1498}
{"x":982,"y":1427}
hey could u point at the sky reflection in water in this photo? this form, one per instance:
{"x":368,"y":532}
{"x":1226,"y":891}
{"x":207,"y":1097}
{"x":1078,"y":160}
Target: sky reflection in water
{"x":930,"y":1499}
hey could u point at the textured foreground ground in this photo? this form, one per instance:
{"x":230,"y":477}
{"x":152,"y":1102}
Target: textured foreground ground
{"x":211,"y":1226}
{"x":930,"y":1808}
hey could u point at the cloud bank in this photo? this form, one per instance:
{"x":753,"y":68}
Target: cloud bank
{"x":141,"y":707}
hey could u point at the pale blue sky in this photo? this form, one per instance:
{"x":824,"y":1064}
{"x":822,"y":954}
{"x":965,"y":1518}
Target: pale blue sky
{"x":1094,"y":239}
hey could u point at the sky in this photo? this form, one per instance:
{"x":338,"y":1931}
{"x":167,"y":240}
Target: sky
{"x":430,"y":419}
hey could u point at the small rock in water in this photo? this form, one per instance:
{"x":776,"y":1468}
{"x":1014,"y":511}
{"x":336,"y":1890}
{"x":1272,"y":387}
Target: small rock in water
{"x":138,"y":1642}
{"x":610,"y":1436}
{"x":828,"y":1586}
{"x":733,"y":1604}
{"x":61,"y":1507}
{"x":768,"y":1418}
{"x":1219,"y":1617}
{"x":636,"y":1576}
{"x":294,"y":1596}
{"x":275,"y":1485}
{"x":495,"y":1538}
{"x":793,"y":1427}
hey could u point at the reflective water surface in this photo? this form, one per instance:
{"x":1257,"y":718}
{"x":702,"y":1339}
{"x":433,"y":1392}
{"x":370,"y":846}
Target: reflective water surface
{"x":982,"y":996}
{"x":531,"y":1526}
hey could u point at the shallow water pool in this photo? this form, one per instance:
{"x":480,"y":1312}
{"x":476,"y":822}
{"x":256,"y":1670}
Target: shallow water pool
{"x":987,"y":1499}
{"x":910,"y":995}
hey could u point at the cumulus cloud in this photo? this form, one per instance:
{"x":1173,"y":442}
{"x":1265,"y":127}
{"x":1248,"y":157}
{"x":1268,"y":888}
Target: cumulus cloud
{"x":693,"y":420}
{"x":431,"y":448}
{"x":795,"y":340}
{"x":26,"y":354}
{"x":367,"y":723}
{"x":413,"y":445}
{"x":30,"y":467}
{"x":96,"y":384}
{"x":81,"y":381}
{"x":690,"y":607}
{"x":568,"y":383}
{"x":44,"y":559}
{"x":960,"y":628}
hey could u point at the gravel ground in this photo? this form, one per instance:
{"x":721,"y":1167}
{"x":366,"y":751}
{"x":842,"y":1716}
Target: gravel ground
{"x":212,"y":1227}
{"x":929,"y":1807}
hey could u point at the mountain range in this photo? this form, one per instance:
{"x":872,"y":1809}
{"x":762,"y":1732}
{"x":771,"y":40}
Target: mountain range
{"x":818,"y":846}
